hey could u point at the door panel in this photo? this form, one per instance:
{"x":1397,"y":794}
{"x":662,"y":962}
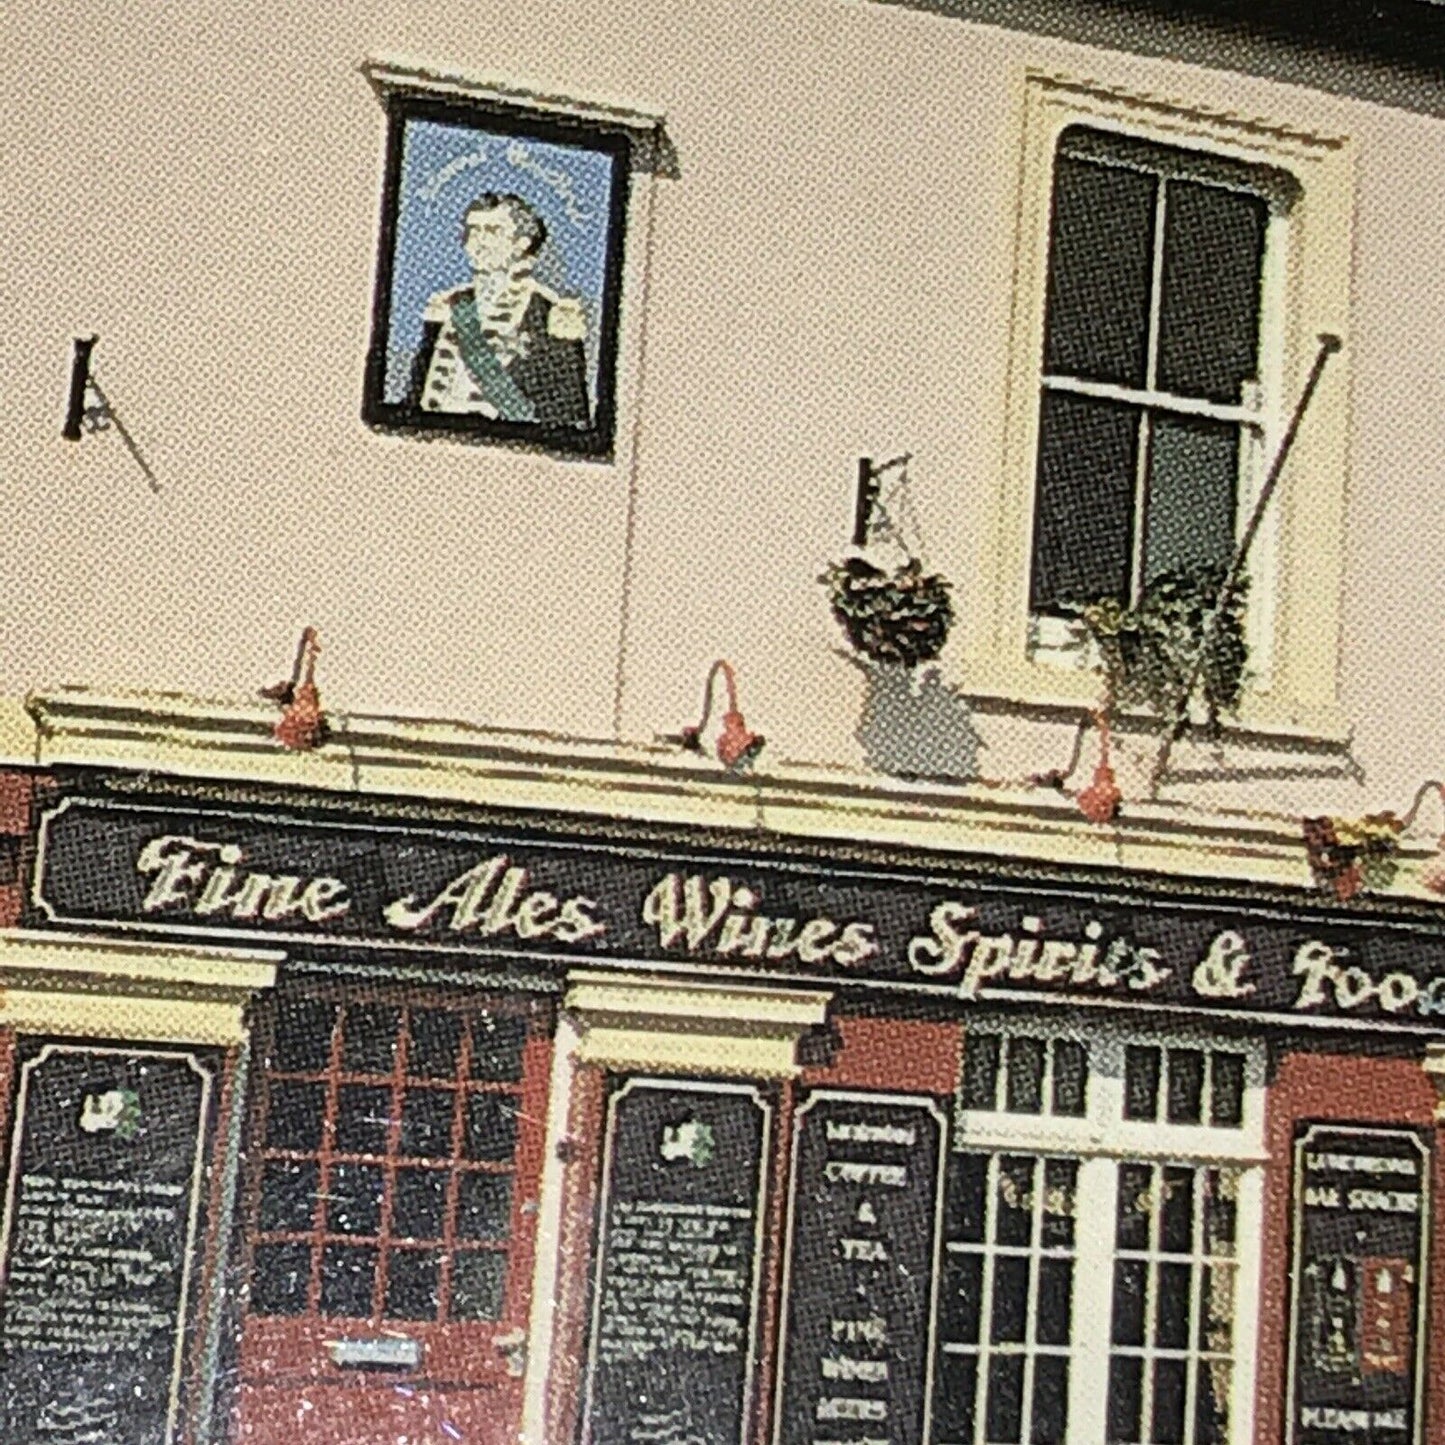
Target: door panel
{"x":396,"y":1151}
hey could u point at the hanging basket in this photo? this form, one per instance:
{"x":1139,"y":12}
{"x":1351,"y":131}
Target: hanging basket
{"x":901,"y":617}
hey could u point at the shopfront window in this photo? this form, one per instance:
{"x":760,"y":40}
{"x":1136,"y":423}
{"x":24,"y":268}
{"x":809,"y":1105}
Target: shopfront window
{"x":388,"y":1152}
{"x":1091,"y":1288}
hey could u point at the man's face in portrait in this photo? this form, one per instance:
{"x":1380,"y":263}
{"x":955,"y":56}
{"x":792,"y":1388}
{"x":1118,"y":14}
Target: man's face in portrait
{"x":490,"y":239}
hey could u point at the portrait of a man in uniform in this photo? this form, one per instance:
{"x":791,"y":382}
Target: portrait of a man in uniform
{"x":498,"y":277}
{"x":503,"y":345}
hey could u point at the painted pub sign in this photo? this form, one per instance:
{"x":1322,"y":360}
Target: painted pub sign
{"x":498,"y":276}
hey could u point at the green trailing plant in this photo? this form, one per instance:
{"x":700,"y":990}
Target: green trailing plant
{"x":1149,"y":651}
{"x":902,"y":616}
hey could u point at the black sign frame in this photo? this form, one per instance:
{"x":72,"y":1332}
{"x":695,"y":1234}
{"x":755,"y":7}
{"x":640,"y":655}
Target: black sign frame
{"x":813,"y":1107}
{"x":36,"y":1053}
{"x":508,"y":897}
{"x":595,"y":1382}
{"x":1308,"y":1135}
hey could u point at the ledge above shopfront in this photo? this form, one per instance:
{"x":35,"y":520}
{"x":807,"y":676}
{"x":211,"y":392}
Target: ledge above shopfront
{"x":452,"y":763}
{"x":61,"y":984}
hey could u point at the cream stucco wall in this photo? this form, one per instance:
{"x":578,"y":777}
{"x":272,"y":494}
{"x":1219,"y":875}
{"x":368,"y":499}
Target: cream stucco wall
{"x":828,"y":276}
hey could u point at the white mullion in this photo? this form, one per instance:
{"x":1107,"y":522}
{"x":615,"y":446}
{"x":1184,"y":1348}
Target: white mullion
{"x":1146,"y":420}
{"x":1141,"y":505}
{"x":1152,"y":1256}
{"x":1095,"y":1198}
{"x":1031,"y":1295}
{"x":1248,"y":1224}
{"x":1193,"y":1353}
{"x":1156,"y":288}
{"x":985,"y":1293}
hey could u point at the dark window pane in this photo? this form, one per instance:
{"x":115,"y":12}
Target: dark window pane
{"x":1130,"y":1280}
{"x":1061,"y":1177}
{"x":347,"y":1273}
{"x":1056,"y":1301}
{"x":417,"y":1203}
{"x":1025,"y":1083}
{"x":1003,"y":1413}
{"x":279,"y":1276}
{"x":293,"y":1116}
{"x":1136,"y":1206}
{"x":368,"y":1040}
{"x":1211,"y":1403}
{"x":1171,"y":1309}
{"x":491,"y":1133}
{"x":413,"y":1278}
{"x":964,"y":1199}
{"x":478,"y":1277}
{"x":962,"y":1297}
{"x":1051,"y":1400}
{"x":1101,"y":260}
{"x":362,"y":1118}
{"x":288,"y":1196}
{"x":435,"y":1044}
{"x":1126,"y":1400}
{"x":497,"y":1041}
{"x":1169,"y":1402}
{"x":1014,"y":1209}
{"x":303,"y":1035}
{"x":953,"y":1411}
{"x":1226,"y":1090}
{"x":980,"y":1071}
{"x":1176,"y":1232}
{"x":1141,"y":1082}
{"x":1192,"y":494}
{"x":484,"y":1206}
{"x":1186,"y":1086}
{"x":353,"y":1199}
{"x":1009,"y":1317}
{"x":426,"y":1123}
{"x":1084,"y":501}
{"x":1071,"y":1074}
{"x":1209,"y":309}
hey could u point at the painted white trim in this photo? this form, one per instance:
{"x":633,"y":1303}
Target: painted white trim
{"x":1300,"y":561}
{"x":390,"y":73}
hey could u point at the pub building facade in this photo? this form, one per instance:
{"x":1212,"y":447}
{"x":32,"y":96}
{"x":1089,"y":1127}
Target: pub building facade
{"x":337,"y":1116}
{"x":372,"y":1079}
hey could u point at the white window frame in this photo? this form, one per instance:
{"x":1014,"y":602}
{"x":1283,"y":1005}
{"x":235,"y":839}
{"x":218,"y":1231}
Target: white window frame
{"x":1102,"y":1140}
{"x":1296,"y":565}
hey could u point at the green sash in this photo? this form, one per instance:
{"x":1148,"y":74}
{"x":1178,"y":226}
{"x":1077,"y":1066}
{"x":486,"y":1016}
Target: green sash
{"x":481,"y":361}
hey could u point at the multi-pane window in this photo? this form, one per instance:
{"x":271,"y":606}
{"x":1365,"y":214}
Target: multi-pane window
{"x":1199,"y":1086}
{"x":1151,"y":398}
{"x":1006,"y":1300}
{"x":1022,"y":1074}
{"x":1171,"y":1334}
{"x":1095,"y":1286}
{"x":387,"y":1146}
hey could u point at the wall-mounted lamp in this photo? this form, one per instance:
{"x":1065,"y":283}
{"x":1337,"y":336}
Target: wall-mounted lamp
{"x":1099,"y":802}
{"x":737,"y":745}
{"x":302,"y":725}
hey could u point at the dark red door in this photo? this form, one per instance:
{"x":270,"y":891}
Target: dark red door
{"x":395,"y":1159}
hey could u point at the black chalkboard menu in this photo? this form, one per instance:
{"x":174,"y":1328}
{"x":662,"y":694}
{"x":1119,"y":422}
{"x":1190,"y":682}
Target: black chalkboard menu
{"x":863,"y":1237}
{"x":98,"y":1237}
{"x":1361,"y":1202}
{"x":671,"y":1353}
